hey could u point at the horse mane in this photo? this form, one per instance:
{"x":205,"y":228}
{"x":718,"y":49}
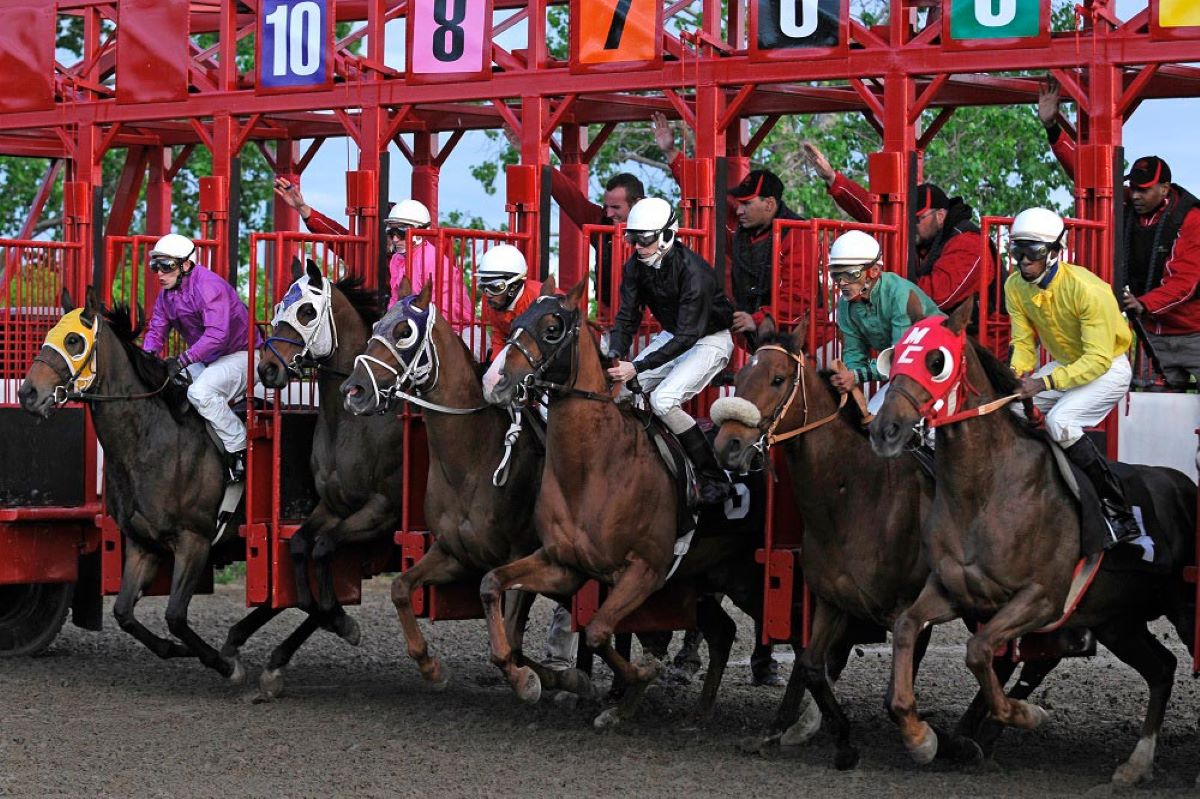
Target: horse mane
{"x":367,"y":303}
{"x":148,"y":367}
{"x":1003,"y":382}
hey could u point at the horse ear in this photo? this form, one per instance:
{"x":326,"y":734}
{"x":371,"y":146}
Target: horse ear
{"x":766,"y":328}
{"x":916,"y":311}
{"x":314,"y":273}
{"x":961,"y":317}
{"x":575,"y":294}
{"x":68,"y":304}
{"x":405,"y":287}
{"x":549,"y":288}
{"x":297,"y":268}
{"x":91,"y":305}
{"x":800,"y":334}
{"x":422,"y":300}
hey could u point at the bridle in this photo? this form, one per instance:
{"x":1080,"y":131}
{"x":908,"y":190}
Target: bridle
{"x":77,"y":383}
{"x":318,"y":338}
{"x":533,"y":381}
{"x":768,"y":438}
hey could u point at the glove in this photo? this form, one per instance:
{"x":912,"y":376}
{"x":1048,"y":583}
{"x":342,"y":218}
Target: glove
{"x":176,"y":373}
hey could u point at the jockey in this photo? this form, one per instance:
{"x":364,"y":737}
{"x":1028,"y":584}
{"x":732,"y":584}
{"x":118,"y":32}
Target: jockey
{"x":502,"y":277}
{"x":694,"y":345}
{"x":1073,"y":314}
{"x":213,"y":320}
{"x":872,"y":312}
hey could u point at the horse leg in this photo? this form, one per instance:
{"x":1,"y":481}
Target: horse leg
{"x":140,"y":568}
{"x":364,"y":525}
{"x":932,"y":606}
{"x":630,"y":590}
{"x":1028,"y":609}
{"x":270,"y":682}
{"x":191,"y":559}
{"x":829,"y":627}
{"x":719,"y":633}
{"x":975,"y":723}
{"x":536,"y":574}
{"x":300,"y":548}
{"x":240,"y":633}
{"x":1135,"y":645}
{"x":573,"y":681}
{"x":436,"y":567}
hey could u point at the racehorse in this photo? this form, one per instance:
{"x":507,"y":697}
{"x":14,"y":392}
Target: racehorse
{"x":480,"y":511}
{"x":862,"y":522}
{"x":607,"y":508}
{"x":164,"y":478}
{"x":357,"y":464}
{"x":1003,"y":539}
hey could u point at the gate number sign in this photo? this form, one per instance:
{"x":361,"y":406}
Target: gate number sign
{"x":615,"y":31}
{"x":995,"y":19}
{"x":294,"y":43}
{"x":448,"y":36}
{"x":784,"y":24}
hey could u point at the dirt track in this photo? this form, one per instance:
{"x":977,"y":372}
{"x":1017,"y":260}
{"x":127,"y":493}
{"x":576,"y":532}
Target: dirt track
{"x":100,"y":716}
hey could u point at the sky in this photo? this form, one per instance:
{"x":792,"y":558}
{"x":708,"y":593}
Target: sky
{"x":1154,"y":129}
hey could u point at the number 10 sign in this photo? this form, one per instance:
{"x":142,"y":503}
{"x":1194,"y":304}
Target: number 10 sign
{"x":295,"y":44}
{"x":449,"y":39}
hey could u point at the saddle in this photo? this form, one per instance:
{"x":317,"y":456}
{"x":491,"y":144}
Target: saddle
{"x":683,"y":473}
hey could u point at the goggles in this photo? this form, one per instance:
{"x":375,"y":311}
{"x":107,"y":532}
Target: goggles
{"x":1028,"y":250}
{"x":398,"y":230}
{"x":642,"y":238}
{"x":496,"y":285}
{"x":165,"y":265}
{"x":848,"y":275}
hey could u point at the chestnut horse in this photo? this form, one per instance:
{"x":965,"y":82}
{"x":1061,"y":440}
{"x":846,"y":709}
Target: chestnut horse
{"x":1003,"y":540}
{"x":607,"y":507}
{"x":862,"y":523}
{"x":478,"y":520}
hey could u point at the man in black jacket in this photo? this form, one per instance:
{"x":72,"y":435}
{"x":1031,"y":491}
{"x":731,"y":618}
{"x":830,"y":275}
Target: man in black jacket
{"x":681,"y":290}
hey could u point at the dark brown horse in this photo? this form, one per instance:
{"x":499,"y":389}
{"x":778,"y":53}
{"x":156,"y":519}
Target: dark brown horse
{"x":862,"y":521}
{"x":163,"y":476}
{"x":1003,"y":539}
{"x":479,"y":521}
{"x":607,"y":508}
{"x":357,"y":464}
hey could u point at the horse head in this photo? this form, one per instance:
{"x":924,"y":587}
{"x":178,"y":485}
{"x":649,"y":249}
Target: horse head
{"x":399,"y":356}
{"x":66,"y":363}
{"x":539,"y":346}
{"x":764,"y":394}
{"x":925,"y":371}
{"x":302,"y":328}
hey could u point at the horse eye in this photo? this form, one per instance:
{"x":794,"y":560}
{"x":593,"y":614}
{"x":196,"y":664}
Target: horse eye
{"x":72,"y":339}
{"x":307,"y":313}
{"x":406,"y":333}
{"x":935,"y":362}
{"x":777,"y":380}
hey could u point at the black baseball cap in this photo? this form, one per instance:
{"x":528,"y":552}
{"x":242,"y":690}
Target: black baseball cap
{"x":759,"y":183}
{"x":929,"y":197}
{"x":1147,"y":171}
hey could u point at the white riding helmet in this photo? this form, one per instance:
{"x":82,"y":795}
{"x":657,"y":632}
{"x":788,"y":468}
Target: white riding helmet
{"x":411,"y":213}
{"x":501,"y":267}
{"x":175,"y":246}
{"x":1038,"y":224}
{"x":854,"y":250}
{"x":652,"y":219}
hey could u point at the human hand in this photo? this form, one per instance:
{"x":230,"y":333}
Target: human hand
{"x":1030,"y":387}
{"x":622,"y":372}
{"x":1131,"y":303}
{"x":664,"y":134}
{"x":290,"y":194}
{"x":175,"y":372}
{"x":843,"y":380}
{"x":743,"y":323}
{"x":1048,"y":102}
{"x":818,"y":162}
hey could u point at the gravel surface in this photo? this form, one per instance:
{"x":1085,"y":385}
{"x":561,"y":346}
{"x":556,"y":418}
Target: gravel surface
{"x":98,"y":715}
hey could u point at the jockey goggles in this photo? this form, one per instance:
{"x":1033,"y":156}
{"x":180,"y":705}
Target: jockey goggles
{"x":1028,"y":250}
{"x":848,"y":275}
{"x":499,"y":284}
{"x":164,"y":264}
{"x":399,"y":230}
{"x":642,"y":238}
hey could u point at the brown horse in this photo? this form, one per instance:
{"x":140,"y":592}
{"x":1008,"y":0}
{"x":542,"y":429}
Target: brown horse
{"x":479,"y":521}
{"x":1003,"y":539}
{"x":862,"y":521}
{"x":607,"y":508}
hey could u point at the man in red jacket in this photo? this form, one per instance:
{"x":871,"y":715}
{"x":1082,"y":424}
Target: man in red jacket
{"x":1161,"y":251}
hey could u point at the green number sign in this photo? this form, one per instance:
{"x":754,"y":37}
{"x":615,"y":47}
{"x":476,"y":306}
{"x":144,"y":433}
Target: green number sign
{"x":995,"y":19}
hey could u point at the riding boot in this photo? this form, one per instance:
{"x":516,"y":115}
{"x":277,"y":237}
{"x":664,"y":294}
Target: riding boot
{"x":235,"y":464}
{"x":715,"y":486}
{"x":1084,"y":454}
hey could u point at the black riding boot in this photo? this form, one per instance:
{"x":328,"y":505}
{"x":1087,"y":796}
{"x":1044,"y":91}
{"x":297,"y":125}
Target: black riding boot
{"x":715,"y":487}
{"x":235,"y":463}
{"x":1084,"y":454}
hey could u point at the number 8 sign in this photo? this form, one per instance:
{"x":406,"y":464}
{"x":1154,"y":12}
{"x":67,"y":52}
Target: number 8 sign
{"x":449,"y":39}
{"x":295,"y":44}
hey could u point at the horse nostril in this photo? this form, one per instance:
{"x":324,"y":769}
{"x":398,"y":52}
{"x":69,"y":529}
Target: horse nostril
{"x":892,"y":430}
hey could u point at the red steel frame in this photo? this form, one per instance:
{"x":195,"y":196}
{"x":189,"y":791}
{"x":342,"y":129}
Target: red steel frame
{"x":891,"y":73}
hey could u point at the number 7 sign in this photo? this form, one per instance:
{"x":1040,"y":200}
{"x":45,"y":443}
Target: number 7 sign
{"x":449,"y":39}
{"x":615,"y":33}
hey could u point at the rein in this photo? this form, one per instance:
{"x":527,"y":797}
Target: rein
{"x":534,"y":379}
{"x":64,"y":395}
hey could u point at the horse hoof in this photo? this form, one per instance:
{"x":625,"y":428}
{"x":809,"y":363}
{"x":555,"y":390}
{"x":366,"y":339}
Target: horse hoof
{"x":270,"y":684}
{"x":960,"y":749}
{"x":349,"y":631}
{"x":649,"y":669}
{"x":608,"y":719}
{"x":1038,"y":716}
{"x":438,"y":677}
{"x":846,"y":758}
{"x":803,"y":730}
{"x":924,"y":751}
{"x":238,"y":676}
{"x":528,"y":686}
{"x":577,"y":683}
{"x":756,"y":745}
{"x":1128,"y":775}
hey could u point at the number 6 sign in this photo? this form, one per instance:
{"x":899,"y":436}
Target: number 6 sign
{"x":295,"y":44}
{"x":449,"y":39}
